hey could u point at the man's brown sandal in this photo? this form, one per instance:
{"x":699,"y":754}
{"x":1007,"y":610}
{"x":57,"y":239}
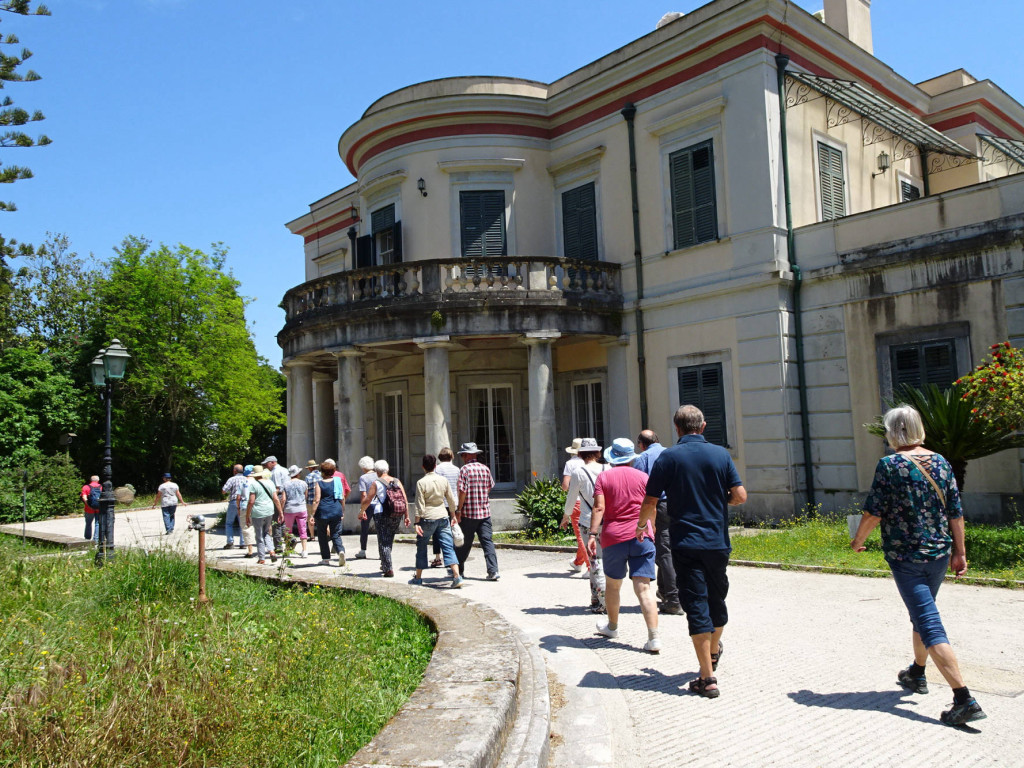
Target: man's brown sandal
{"x":716,"y":656}
{"x":705,"y":686}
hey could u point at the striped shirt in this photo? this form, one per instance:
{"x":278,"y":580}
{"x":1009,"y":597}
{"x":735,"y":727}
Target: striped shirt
{"x":475,"y":481}
{"x":312,"y":478}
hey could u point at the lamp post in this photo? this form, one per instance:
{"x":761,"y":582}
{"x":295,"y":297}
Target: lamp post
{"x":108,"y":366}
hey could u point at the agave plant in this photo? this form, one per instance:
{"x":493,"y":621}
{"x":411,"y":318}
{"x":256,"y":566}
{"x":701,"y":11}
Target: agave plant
{"x":950,"y":427}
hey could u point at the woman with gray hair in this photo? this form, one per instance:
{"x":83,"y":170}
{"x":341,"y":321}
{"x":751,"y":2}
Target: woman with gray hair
{"x":366,"y":479}
{"x":915,"y":498}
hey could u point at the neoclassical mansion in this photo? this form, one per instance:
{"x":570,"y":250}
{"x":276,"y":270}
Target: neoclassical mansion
{"x":743,"y":209}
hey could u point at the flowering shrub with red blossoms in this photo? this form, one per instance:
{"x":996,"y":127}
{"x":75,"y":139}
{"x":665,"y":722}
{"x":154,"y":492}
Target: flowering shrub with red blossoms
{"x":996,"y":387}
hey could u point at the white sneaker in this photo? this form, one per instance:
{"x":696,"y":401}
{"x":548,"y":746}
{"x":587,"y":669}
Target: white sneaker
{"x":575,"y":568}
{"x":653,"y":645}
{"x":325,"y":562}
{"x":607,"y":631}
{"x":341,"y":558}
{"x":302,"y":555}
{"x":584,"y":573}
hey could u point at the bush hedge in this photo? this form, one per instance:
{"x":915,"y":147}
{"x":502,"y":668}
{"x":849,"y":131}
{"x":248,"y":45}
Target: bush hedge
{"x":543,"y":503}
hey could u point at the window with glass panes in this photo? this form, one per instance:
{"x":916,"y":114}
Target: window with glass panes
{"x":391,"y":432}
{"x":492,"y":429}
{"x":588,"y":410}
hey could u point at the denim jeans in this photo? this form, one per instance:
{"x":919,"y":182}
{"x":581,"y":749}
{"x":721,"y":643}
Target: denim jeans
{"x":231,"y":522}
{"x":918,"y":584}
{"x":441,"y":531}
{"x":168,"y":513}
{"x":264,"y":541}
{"x":328,"y":531}
{"x":92,"y":526}
{"x":364,"y":533}
{"x":482,"y":529}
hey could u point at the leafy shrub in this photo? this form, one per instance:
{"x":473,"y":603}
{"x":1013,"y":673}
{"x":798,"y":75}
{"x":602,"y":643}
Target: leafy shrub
{"x":54,"y":488}
{"x":543,"y":503}
{"x":991,"y":547}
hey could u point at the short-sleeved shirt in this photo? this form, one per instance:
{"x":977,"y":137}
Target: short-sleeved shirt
{"x":85,"y":492}
{"x":236,"y":486}
{"x":696,"y":476}
{"x":280,"y":477}
{"x":312,"y":478}
{"x":168,"y":494}
{"x":915,"y":525}
{"x":623,"y":489}
{"x":449,"y":472}
{"x":295,"y":496}
{"x":475,"y":481}
{"x":571,"y":466}
{"x":366,"y":486}
{"x":645,"y":461}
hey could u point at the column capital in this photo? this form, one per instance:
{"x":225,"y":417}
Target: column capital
{"x":433,"y":342}
{"x":321,"y":376}
{"x":539,"y":337}
{"x":347,"y":352}
{"x":288,"y":364}
{"x":618,"y":341}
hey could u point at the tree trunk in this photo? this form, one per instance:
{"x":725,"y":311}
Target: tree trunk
{"x":959,"y":472}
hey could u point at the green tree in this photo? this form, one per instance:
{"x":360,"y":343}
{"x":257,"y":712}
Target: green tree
{"x":951,"y":427}
{"x":995,"y":389}
{"x":12,"y":118}
{"x":37,"y":403}
{"x":194,"y":395}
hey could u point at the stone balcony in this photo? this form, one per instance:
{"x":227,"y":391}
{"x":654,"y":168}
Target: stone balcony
{"x":454,"y":297}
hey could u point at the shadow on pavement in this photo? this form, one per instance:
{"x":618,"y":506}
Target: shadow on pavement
{"x":646,"y":680}
{"x":868,"y":701}
{"x":560,"y":610}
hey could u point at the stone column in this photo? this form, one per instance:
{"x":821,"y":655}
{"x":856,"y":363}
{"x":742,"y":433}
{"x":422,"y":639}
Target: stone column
{"x":617,"y":396}
{"x":300,"y":420}
{"x":351,"y":420}
{"x":288,"y":398}
{"x":543,"y":433}
{"x":324,"y":441}
{"x":437,"y":392}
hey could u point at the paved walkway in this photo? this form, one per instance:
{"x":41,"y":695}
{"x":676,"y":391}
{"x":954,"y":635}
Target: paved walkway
{"x":807,"y":677}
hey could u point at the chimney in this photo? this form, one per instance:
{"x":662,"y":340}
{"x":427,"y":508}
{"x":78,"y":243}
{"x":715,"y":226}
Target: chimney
{"x":852,"y":19}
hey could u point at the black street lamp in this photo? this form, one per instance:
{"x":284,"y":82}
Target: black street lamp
{"x":108,"y":365}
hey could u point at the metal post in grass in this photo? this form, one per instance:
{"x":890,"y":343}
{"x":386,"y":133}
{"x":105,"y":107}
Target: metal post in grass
{"x":108,"y":366}
{"x":198,"y":523}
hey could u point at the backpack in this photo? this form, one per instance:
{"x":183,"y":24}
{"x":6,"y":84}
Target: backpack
{"x":394,"y":504}
{"x":94,"y":497}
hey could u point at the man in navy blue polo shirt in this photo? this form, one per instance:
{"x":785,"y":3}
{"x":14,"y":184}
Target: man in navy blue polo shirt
{"x":701,"y":483}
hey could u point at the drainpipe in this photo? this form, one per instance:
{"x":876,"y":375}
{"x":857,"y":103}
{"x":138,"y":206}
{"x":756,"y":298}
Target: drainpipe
{"x":925,"y":192}
{"x":629,"y":113}
{"x":781,"y":62}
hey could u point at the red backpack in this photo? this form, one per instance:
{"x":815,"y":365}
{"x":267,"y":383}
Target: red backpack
{"x":394,"y":504}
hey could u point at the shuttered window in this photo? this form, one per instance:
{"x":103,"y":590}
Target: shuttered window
{"x":579,"y":223}
{"x":908,"y":192}
{"x":831,"y":183}
{"x":929,"y":362}
{"x":704,"y":387}
{"x":694,"y":213}
{"x":386,"y":236}
{"x":482,"y":217}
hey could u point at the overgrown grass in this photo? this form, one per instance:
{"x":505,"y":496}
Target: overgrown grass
{"x":564,"y":538}
{"x":992,"y":552}
{"x":117,"y":666}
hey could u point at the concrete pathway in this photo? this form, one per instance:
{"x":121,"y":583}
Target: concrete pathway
{"x":807,"y":677}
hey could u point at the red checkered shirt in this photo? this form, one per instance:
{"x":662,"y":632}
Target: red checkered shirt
{"x":476,"y":481}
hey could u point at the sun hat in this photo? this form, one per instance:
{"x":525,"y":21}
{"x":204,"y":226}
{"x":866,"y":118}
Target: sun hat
{"x":270,"y":459}
{"x":620,"y":451}
{"x":248,"y":470}
{"x":468,"y":448}
{"x":587,"y":444}
{"x":261,"y":474}
{"x":575,"y":447}
{"x":311,"y":463}
{"x":293,"y":471}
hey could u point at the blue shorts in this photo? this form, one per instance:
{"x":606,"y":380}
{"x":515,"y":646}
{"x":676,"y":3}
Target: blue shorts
{"x":638,"y":555}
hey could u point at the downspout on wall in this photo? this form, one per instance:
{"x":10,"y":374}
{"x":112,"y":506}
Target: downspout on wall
{"x":629,"y":113}
{"x":781,"y":62}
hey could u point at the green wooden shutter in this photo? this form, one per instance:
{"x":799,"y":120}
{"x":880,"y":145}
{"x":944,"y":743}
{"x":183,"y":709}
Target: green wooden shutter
{"x":692,"y":181}
{"x":364,"y":251}
{"x":908,"y":192}
{"x":382,"y":219}
{"x":704,"y":387}
{"x":579,"y":223}
{"x":482,"y":217}
{"x":396,"y":234}
{"x":932,"y":362}
{"x":831,"y":183}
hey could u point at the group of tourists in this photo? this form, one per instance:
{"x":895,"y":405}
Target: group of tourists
{"x":663,"y":514}
{"x":658,"y":515}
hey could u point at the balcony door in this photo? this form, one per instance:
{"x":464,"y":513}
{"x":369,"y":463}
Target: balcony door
{"x":492,"y":425}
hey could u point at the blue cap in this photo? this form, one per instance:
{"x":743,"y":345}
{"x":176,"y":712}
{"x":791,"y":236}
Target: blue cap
{"x":248,"y":470}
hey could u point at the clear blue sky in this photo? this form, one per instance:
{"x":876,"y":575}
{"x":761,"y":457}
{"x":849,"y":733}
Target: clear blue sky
{"x":197,"y":121}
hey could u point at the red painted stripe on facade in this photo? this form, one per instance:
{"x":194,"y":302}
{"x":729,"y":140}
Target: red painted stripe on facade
{"x":463,"y":129}
{"x":329,"y":230}
{"x":967,"y":119}
{"x":315,"y":224}
{"x":989,"y":107}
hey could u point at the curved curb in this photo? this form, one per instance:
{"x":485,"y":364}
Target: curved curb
{"x":484,"y":675}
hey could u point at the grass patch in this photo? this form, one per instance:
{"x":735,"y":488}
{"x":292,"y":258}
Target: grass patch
{"x":545,"y":539}
{"x":116,"y":666}
{"x":992,"y":552}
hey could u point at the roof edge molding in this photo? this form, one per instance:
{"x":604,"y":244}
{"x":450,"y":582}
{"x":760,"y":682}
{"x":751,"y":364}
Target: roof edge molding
{"x":383,"y":181}
{"x":481,"y":164}
{"x":576,"y":161}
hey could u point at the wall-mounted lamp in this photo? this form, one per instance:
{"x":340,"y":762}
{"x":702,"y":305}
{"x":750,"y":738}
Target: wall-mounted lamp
{"x":421,"y":185}
{"x":354,"y":214}
{"x":883,"y":163}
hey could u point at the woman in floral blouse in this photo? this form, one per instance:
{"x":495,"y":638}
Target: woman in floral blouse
{"x":915,"y":498}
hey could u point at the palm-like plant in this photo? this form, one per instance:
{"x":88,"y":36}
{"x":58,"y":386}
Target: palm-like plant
{"x":950,"y":427}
